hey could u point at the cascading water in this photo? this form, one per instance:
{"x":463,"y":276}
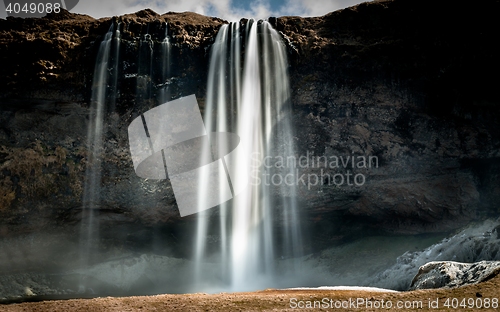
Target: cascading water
{"x":164,"y":67}
{"x":250,"y":96}
{"x":145,"y":69}
{"x":247,"y":94}
{"x":104,"y":86}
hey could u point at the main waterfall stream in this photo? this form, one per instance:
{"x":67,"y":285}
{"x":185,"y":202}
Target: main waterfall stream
{"x":248,"y":94}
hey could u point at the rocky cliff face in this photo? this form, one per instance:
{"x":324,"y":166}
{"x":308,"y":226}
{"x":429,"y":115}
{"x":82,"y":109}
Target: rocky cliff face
{"x":410,"y":82}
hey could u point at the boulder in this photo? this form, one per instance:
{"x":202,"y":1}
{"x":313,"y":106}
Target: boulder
{"x":449,"y":274}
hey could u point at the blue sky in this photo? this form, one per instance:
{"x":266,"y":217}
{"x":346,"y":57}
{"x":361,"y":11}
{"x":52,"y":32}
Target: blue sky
{"x":274,"y":5}
{"x":227,"y":9}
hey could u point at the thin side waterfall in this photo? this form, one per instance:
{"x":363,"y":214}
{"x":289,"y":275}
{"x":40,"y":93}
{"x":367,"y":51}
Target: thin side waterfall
{"x":164,"y":67}
{"x":248,"y":94}
{"x":114,"y":72}
{"x":145,"y":69}
{"x":104,"y":86}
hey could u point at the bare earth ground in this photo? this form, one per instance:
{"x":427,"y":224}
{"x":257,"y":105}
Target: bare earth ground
{"x":281,"y":300}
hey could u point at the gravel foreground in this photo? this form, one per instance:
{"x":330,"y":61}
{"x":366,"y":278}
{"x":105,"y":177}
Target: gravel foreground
{"x":479,"y":297}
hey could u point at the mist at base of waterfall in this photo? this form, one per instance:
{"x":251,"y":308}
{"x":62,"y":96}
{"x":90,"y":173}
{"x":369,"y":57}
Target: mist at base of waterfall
{"x":127,"y":273}
{"x":377,"y":261}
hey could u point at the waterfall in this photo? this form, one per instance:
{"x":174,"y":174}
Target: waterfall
{"x":164,"y":67}
{"x":145,"y":69}
{"x":104,"y":90}
{"x":248,"y":94}
{"x":248,"y":97}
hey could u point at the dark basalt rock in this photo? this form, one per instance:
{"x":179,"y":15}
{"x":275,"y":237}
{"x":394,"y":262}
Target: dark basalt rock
{"x":411,"y":82}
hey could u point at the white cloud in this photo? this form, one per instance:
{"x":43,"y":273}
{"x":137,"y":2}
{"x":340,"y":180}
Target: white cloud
{"x":3,"y":14}
{"x":315,"y":8}
{"x":221,"y":8}
{"x":259,"y":9}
